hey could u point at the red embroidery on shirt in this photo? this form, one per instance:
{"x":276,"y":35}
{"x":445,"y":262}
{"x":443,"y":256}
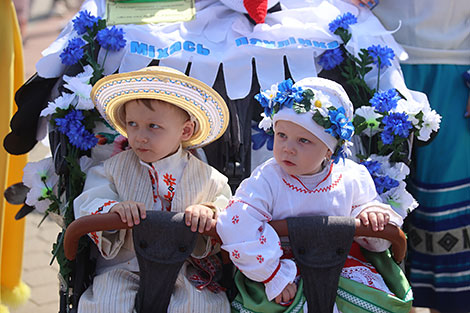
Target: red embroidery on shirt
{"x":236,"y":254}
{"x":262,"y":240}
{"x":100,"y":209}
{"x":170,"y":182}
{"x":316,"y":190}
{"x":235,"y":219}
{"x":268,"y":218}
{"x":260,"y":258}
{"x":94,"y":236}
{"x":154,"y":183}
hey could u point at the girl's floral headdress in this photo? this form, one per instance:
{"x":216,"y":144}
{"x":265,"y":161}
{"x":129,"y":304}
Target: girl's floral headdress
{"x":319,"y":105}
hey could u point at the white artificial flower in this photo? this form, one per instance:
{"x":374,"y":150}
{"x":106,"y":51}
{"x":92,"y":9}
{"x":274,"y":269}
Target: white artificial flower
{"x":431,"y":122}
{"x":371,"y":116}
{"x":400,"y":199}
{"x":266,"y":123}
{"x":80,"y":85}
{"x":39,"y":177}
{"x":61,"y":102}
{"x":85,"y":163}
{"x":321,"y":102}
{"x":410,"y":107}
{"x":270,"y":94}
{"x":398,"y":171}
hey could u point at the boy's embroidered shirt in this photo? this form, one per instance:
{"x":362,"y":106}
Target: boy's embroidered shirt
{"x":344,"y":189}
{"x":164,"y":175}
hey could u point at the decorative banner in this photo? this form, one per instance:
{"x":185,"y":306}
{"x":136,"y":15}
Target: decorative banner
{"x":149,"y":11}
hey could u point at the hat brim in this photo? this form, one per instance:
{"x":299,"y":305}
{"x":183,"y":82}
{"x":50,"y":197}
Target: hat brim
{"x":163,"y":83}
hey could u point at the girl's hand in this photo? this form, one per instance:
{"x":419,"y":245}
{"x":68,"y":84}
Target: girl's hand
{"x":130,"y":212}
{"x":377,"y":219}
{"x":365,"y":3}
{"x":200,"y":214}
{"x":287,"y":294}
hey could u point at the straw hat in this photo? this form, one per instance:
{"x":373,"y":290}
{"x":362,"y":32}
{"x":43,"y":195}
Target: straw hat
{"x":205,"y":106}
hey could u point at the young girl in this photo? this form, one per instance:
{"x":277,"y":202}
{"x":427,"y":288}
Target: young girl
{"x":307,"y":176}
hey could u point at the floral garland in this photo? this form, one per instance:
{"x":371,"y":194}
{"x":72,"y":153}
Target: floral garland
{"x":302,"y":101}
{"x":385,"y":123}
{"x":74,"y":117}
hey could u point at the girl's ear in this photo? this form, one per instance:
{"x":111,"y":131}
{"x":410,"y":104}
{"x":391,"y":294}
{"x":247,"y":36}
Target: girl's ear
{"x":188,"y":130}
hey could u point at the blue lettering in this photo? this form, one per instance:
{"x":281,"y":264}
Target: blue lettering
{"x":283,"y":43}
{"x":255,"y":41}
{"x":305,"y":42}
{"x":202,"y":50}
{"x":188,"y":46}
{"x":175,"y":47}
{"x":292,"y":40}
{"x":139,"y":48}
{"x":162,"y":53}
{"x":152,"y":52}
{"x":269,"y":44}
{"x":241,"y":41}
{"x":333,"y":45}
{"x":319,"y":44}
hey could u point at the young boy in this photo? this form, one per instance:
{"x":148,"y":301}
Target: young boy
{"x":312,"y":129}
{"x":163,"y":113}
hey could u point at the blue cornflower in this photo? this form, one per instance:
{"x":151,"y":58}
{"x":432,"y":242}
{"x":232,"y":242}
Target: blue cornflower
{"x":82,"y":139}
{"x":111,"y":38}
{"x":340,"y":126}
{"x":384,"y":183}
{"x":398,"y":124}
{"x":384,"y":101}
{"x":286,"y":93}
{"x":265,"y":103}
{"x":381,"y":54}
{"x":387,"y":137}
{"x":331,"y":58}
{"x":261,"y":137}
{"x":342,"y":21}
{"x":73,"y":52}
{"x":71,"y":125}
{"x":84,"y":21}
{"x":372,"y":166}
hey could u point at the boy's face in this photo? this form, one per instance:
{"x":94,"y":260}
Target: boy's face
{"x":155,"y":134}
{"x":297,"y":150}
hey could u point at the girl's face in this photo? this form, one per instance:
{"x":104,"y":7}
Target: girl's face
{"x":297,"y":150}
{"x":155,"y":134}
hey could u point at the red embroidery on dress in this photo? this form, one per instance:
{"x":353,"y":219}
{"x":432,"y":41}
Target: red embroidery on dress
{"x":236,"y":254}
{"x":95,"y":238}
{"x":268,"y":218}
{"x":262,"y":240}
{"x":273,"y":274}
{"x":235,"y":219}
{"x":260,"y":258}
{"x":170,"y":182}
{"x":316,"y":190}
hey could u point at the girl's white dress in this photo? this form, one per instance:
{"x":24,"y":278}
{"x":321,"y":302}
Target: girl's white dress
{"x":343,"y":189}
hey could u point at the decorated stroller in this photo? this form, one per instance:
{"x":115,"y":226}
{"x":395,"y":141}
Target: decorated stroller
{"x":230,"y":52}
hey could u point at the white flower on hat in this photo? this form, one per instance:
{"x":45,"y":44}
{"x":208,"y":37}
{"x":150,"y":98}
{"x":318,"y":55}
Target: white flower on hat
{"x":62,"y":102}
{"x":266,"y":123}
{"x":431,"y":122}
{"x":321,"y":102}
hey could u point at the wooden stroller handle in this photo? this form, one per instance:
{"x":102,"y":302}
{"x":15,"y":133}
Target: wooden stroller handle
{"x":111,"y":221}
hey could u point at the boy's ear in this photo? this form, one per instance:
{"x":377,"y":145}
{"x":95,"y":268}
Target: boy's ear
{"x":188,"y":130}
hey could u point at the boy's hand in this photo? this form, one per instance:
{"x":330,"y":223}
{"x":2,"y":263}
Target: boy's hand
{"x":287,"y":294}
{"x":130,"y":212}
{"x":377,"y":219}
{"x":199,"y":214}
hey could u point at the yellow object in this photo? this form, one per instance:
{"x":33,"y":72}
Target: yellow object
{"x":11,"y":167}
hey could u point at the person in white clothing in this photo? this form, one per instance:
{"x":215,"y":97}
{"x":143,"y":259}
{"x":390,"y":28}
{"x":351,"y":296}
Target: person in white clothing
{"x":309,"y":175}
{"x":163,"y":113}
